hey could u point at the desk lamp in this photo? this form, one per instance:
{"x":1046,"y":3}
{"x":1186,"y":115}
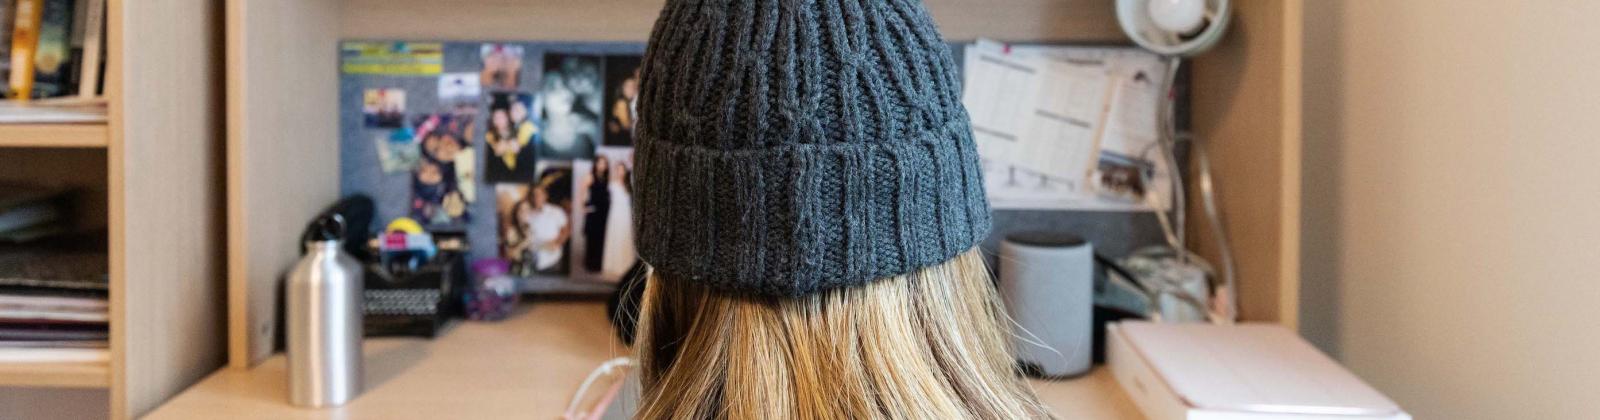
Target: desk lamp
{"x":1176,"y":29}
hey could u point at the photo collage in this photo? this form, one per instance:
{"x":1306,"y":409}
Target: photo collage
{"x":535,"y":141}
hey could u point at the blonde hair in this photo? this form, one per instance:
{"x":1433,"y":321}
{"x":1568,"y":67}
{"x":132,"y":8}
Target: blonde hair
{"x":932,"y":344}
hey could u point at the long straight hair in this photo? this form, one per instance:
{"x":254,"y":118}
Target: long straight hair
{"x":931,"y":344}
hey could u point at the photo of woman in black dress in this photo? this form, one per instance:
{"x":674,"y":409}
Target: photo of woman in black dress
{"x":596,"y":211}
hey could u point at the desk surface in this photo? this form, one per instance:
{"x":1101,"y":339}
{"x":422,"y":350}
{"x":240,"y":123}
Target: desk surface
{"x":526,"y":367}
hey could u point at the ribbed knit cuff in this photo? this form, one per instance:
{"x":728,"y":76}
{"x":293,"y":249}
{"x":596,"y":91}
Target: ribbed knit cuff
{"x":803,"y":218}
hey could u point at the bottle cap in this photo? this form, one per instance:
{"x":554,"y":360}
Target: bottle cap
{"x":328,"y":228}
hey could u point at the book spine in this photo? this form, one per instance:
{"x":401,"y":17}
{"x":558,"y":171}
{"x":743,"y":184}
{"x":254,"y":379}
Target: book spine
{"x":24,"y":38}
{"x":93,"y":31}
{"x":8,"y":17}
{"x":75,"y":45}
{"x":52,"y":58}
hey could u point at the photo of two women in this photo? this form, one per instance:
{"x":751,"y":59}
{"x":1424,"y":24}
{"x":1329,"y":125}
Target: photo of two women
{"x":604,"y":249}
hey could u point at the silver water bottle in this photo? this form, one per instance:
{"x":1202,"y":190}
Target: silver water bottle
{"x":325,"y":305}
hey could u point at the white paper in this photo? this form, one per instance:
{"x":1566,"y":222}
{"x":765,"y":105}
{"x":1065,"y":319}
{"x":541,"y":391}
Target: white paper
{"x":1058,"y":126}
{"x":1062,"y":126}
{"x":53,"y":355}
{"x":999,"y":91}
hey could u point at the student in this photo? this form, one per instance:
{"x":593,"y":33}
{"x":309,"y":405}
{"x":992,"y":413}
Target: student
{"x":624,"y":112}
{"x":571,"y":127}
{"x":595,"y":214}
{"x":525,"y":129}
{"x":619,"y":253}
{"x":431,"y":193}
{"x":547,"y":227}
{"x":508,"y":137}
{"x":502,"y":66}
{"x":810,"y":202}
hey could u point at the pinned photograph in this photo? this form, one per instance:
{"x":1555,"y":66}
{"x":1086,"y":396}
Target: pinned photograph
{"x":603,"y":249}
{"x":384,"y":108}
{"x":457,"y":128}
{"x":513,"y":243}
{"x":571,"y":95}
{"x":397,"y":151}
{"x":535,"y":228}
{"x":435,"y":197}
{"x":460,"y":90}
{"x":443,"y":181}
{"x":622,"y":99}
{"x":502,"y":66}
{"x":1122,"y":180}
{"x":510,"y":139}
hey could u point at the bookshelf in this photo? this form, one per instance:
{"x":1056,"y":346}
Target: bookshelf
{"x":54,"y":135}
{"x":41,"y":157}
{"x":55,"y":375}
{"x":147,"y":170}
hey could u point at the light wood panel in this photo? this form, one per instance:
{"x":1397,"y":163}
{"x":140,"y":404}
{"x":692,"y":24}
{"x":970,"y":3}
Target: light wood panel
{"x":631,"y":20}
{"x":526,"y":367}
{"x":55,"y":375}
{"x":54,"y":135}
{"x":1246,"y":114}
{"x":165,"y":192}
{"x":1093,"y":396}
{"x":1291,"y":171}
{"x":283,"y":154}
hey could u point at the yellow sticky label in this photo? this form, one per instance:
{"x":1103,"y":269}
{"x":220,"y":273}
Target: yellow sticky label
{"x":392,"y":58}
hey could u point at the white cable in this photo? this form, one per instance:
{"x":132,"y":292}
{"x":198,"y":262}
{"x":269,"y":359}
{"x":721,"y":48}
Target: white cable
{"x":605,"y":369}
{"x":1227,"y":310}
{"x":1226,"y":293}
{"x":1168,"y":142}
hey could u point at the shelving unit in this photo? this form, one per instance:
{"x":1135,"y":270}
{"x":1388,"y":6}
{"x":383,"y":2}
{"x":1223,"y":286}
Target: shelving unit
{"x":90,"y":135}
{"x":149,"y":173}
{"x":40,"y":154}
{"x":56,"y":375}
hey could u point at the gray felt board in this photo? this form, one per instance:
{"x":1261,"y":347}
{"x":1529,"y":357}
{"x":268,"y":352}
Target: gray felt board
{"x":1113,"y":233}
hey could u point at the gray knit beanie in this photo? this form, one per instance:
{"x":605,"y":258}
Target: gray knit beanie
{"x":788,"y":147}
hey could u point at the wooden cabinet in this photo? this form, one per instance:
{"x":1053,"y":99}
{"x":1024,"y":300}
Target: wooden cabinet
{"x":151,"y":174}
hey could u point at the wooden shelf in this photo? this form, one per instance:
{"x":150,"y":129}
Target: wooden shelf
{"x":55,"y":375}
{"x":76,"y":135}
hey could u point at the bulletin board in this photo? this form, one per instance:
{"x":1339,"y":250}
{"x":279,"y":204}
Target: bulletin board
{"x":500,"y":140}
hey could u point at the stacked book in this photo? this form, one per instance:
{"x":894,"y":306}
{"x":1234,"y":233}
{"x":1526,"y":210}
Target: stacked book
{"x":53,"y":284}
{"x":52,"y":48}
{"x":53,"y":306}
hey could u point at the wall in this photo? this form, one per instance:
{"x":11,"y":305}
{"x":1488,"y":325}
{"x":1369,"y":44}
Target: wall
{"x":1449,"y":178}
{"x":1246,"y":115}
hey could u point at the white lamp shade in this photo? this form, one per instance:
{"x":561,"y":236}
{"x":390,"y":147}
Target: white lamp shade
{"x":1174,"y":27}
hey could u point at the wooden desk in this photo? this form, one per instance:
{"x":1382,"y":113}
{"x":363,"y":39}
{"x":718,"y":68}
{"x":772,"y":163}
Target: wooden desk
{"x":526,"y":367}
